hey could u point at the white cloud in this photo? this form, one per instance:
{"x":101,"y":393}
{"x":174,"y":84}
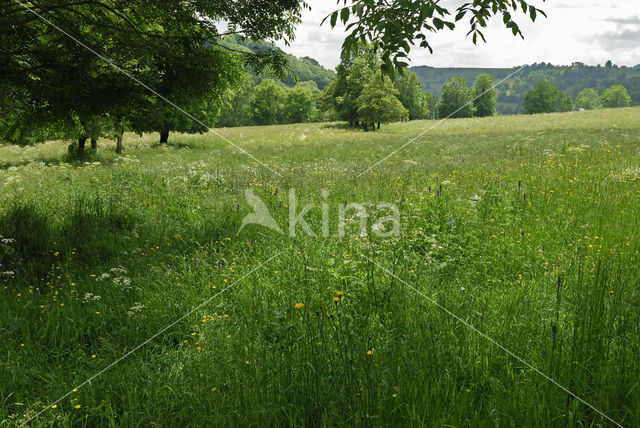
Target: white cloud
{"x":589,"y":31}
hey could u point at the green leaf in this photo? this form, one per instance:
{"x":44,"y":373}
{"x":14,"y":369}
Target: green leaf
{"x":344,"y":15}
{"x":334,"y":19}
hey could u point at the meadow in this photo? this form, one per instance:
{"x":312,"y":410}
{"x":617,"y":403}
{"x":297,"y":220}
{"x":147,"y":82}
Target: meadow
{"x":524,"y":227}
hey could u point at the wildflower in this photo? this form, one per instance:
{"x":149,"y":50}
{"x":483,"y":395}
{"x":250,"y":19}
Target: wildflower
{"x":247,"y":362}
{"x":369,"y":352}
{"x":336,"y":299}
{"x":298,"y":305}
{"x":93,"y":356}
{"x":77,"y":406}
{"x":22,"y":345}
{"x":610,"y":292}
{"x":339,"y":293}
{"x":214,"y":389}
{"x":54,"y":406}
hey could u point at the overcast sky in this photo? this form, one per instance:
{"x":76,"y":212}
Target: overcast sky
{"x":589,"y":31}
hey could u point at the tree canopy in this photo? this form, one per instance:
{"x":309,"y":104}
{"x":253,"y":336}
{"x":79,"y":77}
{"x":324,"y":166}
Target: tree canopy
{"x":615,"y":96}
{"x":588,"y":99}
{"x":546,"y":97}
{"x":378,"y":104}
{"x":485,"y":101}
{"x":456,"y":99}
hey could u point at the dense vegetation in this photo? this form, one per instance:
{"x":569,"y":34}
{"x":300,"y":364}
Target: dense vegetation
{"x":526,"y":227}
{"x":510,"y":94}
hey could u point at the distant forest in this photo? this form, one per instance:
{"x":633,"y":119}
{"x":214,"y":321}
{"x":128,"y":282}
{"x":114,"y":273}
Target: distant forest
{"x":570,"y":79}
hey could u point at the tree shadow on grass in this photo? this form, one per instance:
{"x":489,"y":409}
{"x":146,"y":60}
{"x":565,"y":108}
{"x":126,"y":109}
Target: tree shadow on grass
{"x":93,"y":232}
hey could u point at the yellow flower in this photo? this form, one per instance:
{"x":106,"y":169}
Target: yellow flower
{"x":336,"y":299}
{"x":93,"y":356}
{"x":298,"y":305}
{"x":22,"y":344}
{"x":610,"y":291}
{"x":54,"y":406}
{"x":214,"y":389}
{"x":339,"y":293}
{"x":247,"y":362}
{"x":369,"y":352}
{"x":77,"y":406}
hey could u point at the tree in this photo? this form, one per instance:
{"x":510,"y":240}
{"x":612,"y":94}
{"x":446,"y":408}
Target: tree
{"x":378,"y":103}
{"x":432,"y":104}
{"x":588,"y":99}
{"x":197,"y":78}
{"x":546,"y":97}
{"x":236,"y":106}
{"x":456,"y":99}
{"x":615,"y":96}
{"x":300,"y":105}
{"x":485,"y":102}
{"x":268,"y":103}
{"x":353,"y":73}
{"x":411,"y":95}
{"x":50,"y":77}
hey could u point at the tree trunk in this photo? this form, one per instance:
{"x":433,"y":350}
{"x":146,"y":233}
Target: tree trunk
{"x":94,"y":144}
{"x":164,"y":137}
{"x":378,"y":125}
{"x":364,"y":125}
{"x":80,"y":152}
{"x":119,"y":144}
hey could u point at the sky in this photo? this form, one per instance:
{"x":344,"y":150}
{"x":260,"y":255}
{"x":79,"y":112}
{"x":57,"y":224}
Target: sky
{"x":588,"y":31}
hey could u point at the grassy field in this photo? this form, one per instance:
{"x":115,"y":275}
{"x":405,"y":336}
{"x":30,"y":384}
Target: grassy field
{"x":524,"y":227}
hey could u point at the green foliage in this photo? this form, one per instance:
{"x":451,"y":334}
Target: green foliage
{"x":294,"y":70}
{"x":170,"y":47}
{"x":546,"y":97}
{"x":588,"y":99}
{"x":456,"y":99}
{"x":236,"y":106}
{"x":485,"y":96}
{"x":393,"y":26}
{"x":353,"y":73}
{"x":411,"y":95}
{"x":267,"y":104}
{"x":615,"y":96}
{"x":510,"y":93}
{"x":299,"y":105}
{"x":378,"y":104}
{"x":432,"y":104}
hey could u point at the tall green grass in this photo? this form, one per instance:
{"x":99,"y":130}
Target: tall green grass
{"x":109,"y":252}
